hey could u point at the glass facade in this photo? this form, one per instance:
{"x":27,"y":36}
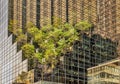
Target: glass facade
{"x":89,"y":52}
{"x":97,"y":46}
{"x":10,"y":60}
{"x":3,"y":19}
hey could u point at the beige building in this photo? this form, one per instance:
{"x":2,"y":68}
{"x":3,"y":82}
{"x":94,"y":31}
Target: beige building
{"x":108,"y":18}
{"x":104,"y":14}
{"x":38,"y":11}
{"x":105,"y":73}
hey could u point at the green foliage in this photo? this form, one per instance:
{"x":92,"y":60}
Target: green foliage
{"x":83,"y":26}
{"x":52,"y":40}
{"x":21,"y":39}
{"x":13,"y":29}
{"x":39,"y":56}
{"x":10,"y":26}
{"x":57,"y":22}
{"x":28,"y":51}
{"x":17,"y":31}
{"x":33,"y":31}
{"x":29,"y":25}
{"x":18,"y":35}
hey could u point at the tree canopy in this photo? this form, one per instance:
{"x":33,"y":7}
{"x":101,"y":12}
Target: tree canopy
{"x":53,"y":40}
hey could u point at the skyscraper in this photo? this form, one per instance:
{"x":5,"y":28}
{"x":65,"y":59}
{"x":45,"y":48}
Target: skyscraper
{"x":95,"y":47}
{"x":10,"y":60}
{"x":108,"y":20}
{"x":38,"y":11}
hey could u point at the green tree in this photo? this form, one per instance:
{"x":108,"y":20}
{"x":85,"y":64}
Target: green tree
{"x":83,"y":26}
{"x":28,"y":51}
{"x":13,"y":28}
{"x":53,"y":40}
{"x":21,"y":40}
{"x":28,"y":25}
{"x":33,"y":31}
{"x":39,"y":56}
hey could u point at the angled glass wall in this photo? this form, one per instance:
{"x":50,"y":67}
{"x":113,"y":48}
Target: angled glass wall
{"x":10,"y":60}
{"x":89,"y":52}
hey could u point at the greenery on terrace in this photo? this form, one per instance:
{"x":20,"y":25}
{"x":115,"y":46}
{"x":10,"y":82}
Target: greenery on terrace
{"x":48,"y":43}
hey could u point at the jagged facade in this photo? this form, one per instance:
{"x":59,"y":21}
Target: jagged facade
{"x":91,"y":51}
{"x":11,"y":63}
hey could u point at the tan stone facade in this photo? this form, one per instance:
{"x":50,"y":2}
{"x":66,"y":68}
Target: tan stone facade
{"x":118,"y":24}
{"x":59,"y":9}
{"x":38,"y":11}
{"x":45,"y":12}
{"x":108,"y":19}
{"x":30,"y":11}
{"x":17,"y":14}
{"x":82,"y":10}
{"x":106,"y":10}
{"x":104,"y":14}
